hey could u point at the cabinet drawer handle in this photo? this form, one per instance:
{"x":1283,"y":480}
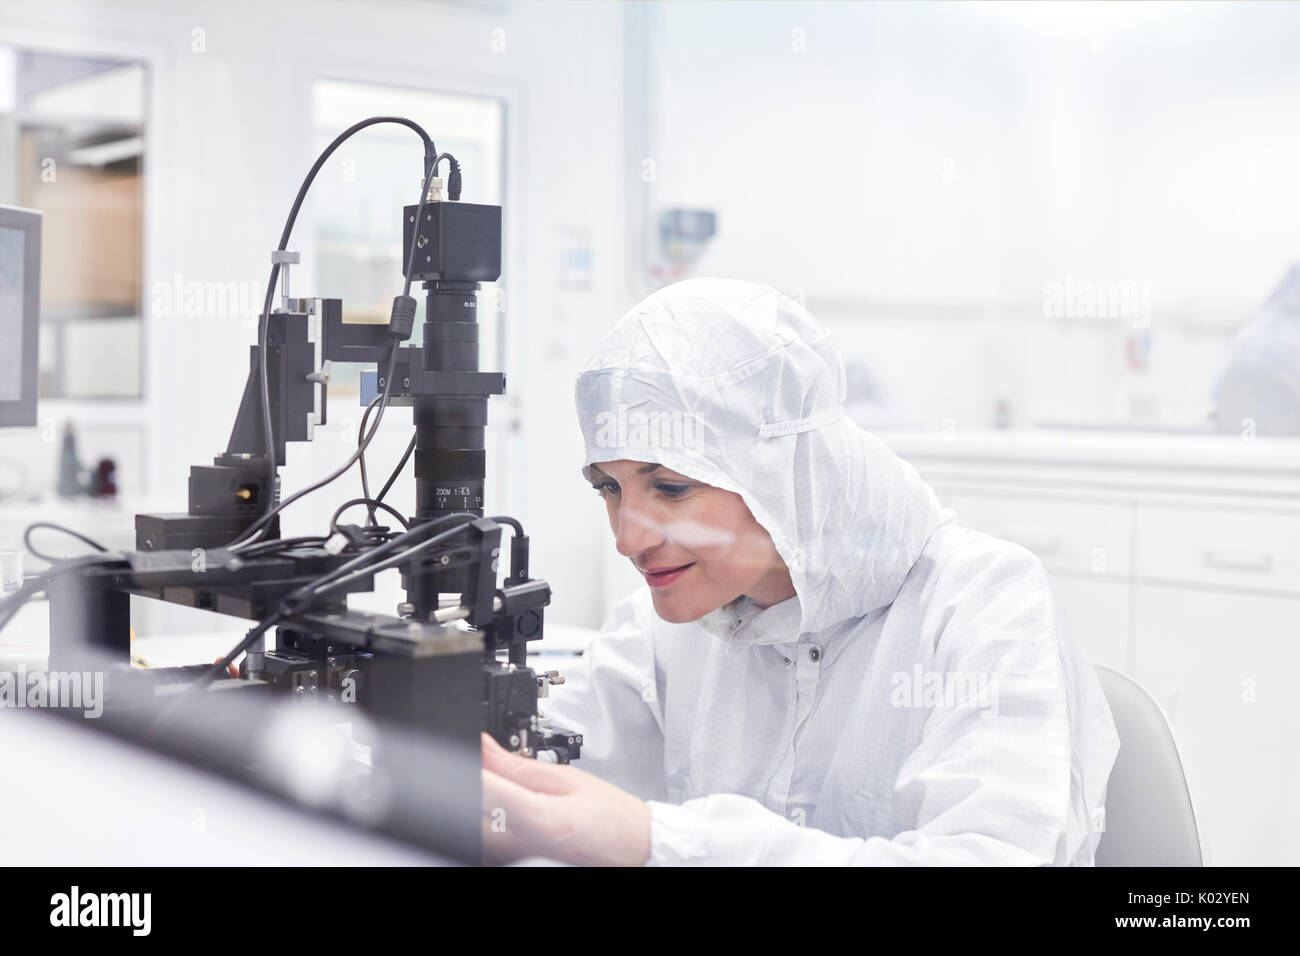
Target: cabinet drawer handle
{"x":1239,"y":560}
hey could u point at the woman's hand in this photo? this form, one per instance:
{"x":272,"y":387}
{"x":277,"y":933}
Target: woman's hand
{"x":558,"y":812}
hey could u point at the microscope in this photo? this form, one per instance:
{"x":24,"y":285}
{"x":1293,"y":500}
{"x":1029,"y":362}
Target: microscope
{"x":451,"y":662}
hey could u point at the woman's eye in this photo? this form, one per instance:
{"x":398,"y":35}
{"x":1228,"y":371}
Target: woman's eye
{"x":673,"y":491}
{"x":606,"y":487}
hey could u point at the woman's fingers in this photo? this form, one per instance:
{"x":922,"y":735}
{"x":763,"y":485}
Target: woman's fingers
{"x":510,"y":820}
{"x":559,"y":813}
{"x":525,"y":771}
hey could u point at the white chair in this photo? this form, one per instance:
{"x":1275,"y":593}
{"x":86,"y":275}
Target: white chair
{"x":1149,"y":816}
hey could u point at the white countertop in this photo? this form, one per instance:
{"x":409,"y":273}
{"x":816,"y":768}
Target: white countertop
{"x":1158,"y":449}
{"x":1198,"y":463}
{"x":25,"y":642}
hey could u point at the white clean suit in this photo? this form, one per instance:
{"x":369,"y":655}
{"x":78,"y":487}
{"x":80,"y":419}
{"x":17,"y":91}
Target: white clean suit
{"x":917,"y":702}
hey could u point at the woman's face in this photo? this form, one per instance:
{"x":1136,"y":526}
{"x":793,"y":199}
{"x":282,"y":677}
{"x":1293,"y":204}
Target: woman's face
{"x":697,"y":546}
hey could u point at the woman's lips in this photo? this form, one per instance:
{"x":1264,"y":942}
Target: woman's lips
{"x":665,"y":577}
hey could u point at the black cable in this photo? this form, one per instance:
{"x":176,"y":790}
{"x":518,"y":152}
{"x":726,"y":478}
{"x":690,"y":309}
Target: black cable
{"x":249,"y":639}
{"x":458,"y":518}
{"x":292,"y":603}
{"x":284,"y":610}
{"x":373,"y":504}
{"x":365,"y":479}
{"x":392,"y":545}
{"x":215,"y":671}
{"x":257,"y":527}
{"x":453,"y":192}
{"x":297,"y":601}
{"x":27,"y":539}
{"x":318,"y":591}
{"x":10,"y":605}
{"x":292,"y":598}
{"x":406,"y":456}
{"x":453,"y":176}
{"x":430,"y":155}
{"x":279,"y":544}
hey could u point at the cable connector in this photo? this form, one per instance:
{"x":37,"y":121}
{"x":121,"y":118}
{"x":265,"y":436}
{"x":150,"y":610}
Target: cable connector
{"x":435,"y":190}
{"x":453,"y":180}
{"x":344,"y":537}
{"x":402,"y":320}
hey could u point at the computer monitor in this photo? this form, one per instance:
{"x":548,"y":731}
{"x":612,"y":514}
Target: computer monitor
{"x":20,"y":300}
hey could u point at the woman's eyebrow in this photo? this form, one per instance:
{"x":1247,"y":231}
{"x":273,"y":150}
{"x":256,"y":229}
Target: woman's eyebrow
{"x":591,"y":472}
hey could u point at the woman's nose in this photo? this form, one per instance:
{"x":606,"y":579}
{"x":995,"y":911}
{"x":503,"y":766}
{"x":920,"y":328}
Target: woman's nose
{"x":636,"y":531}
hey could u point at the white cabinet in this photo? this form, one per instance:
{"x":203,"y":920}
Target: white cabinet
{"x":1067,"y":533}
{"x":1226,"y":669}
{"x":1086,"y":547}
{"x":1097,"y":613}
{"x":1175,"y":560}
{"x":1248,"y":548}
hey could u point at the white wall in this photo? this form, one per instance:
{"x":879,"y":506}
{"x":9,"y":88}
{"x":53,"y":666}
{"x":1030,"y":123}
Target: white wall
{"x":924,"y":167}
{"x":919,"y":172}
{"x":228,"y":141}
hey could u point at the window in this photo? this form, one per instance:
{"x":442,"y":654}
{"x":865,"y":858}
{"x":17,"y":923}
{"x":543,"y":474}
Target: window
{"x":358,"y":226}
{"x":71,"y":146}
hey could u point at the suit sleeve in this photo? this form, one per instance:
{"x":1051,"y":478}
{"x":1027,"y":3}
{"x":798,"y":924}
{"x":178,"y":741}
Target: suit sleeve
{"x":609,"y":696}
{"x":989,"y":783}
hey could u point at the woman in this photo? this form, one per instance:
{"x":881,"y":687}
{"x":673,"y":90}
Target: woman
{"x":824,"y":668}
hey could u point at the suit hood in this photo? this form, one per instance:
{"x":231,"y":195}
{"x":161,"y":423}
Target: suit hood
{"x":738,"y":386}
